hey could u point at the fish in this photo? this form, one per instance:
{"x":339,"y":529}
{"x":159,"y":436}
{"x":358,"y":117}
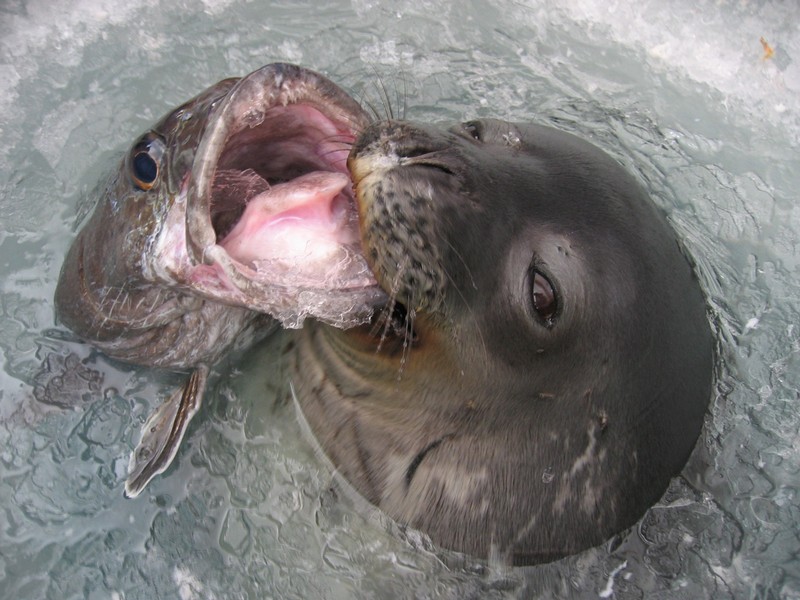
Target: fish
{"x":230,"y":217}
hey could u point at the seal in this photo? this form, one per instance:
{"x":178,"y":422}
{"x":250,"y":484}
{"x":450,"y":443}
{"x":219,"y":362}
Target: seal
{"x":544,"y":364}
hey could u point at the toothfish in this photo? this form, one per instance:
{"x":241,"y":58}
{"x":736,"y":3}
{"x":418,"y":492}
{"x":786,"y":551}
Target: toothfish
{"x":232,"y":215}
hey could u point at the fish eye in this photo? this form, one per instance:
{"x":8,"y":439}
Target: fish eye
{"x":543,"y":297}
{"x":145,"y":161}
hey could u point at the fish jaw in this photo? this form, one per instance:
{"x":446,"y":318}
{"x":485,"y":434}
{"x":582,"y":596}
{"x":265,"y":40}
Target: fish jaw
{"x":292,"y":129}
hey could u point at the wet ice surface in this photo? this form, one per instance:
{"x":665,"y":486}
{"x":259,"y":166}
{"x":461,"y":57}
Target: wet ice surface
{"x":684,"y":93}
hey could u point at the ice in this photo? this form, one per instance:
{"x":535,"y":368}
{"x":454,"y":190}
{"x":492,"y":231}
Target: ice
{"x":608,"y":591}
{"x":684,"y":94}
{"x":690,"y":38}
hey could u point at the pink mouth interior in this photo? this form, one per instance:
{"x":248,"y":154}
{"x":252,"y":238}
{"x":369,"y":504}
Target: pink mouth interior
{"x":307,"y":218}
{"x":282,"y":203}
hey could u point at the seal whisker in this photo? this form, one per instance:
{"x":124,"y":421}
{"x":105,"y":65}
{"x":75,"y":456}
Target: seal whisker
{"x":404,"y":110}
{"x":387,"y":102}
{"x":388,"y":112}
{"x":373,"y":113}
{"x":343,"y":139}
{"x":345,"y":147}
{"x":384,"y":95}
{"x":384,"y":321}
{"x":471,"y":312}
{"x":408,"y":339}
{"x":466,"y":267}
{"x":400,"y":102}
{"x":387,"y":321}
{"x":356,"y":124}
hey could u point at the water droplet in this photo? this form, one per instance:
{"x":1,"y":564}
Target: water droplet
{"x":512,"y":139}
{"x":548,"y":475}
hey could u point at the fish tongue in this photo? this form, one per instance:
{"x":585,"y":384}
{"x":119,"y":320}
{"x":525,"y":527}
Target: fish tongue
{"x":300,"y":219}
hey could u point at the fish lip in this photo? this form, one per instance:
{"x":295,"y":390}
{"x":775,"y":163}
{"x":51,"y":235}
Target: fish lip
{"x":272,"y":86}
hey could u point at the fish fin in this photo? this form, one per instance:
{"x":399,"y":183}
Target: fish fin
{"x":163,"y":432}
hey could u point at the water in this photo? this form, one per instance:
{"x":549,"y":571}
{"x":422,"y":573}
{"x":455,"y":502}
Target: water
{"x":684,"y":93}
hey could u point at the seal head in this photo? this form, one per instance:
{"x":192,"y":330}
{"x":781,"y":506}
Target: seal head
{"x":544,"y":364}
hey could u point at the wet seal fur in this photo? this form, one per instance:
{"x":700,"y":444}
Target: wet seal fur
{"x":545,"y":363}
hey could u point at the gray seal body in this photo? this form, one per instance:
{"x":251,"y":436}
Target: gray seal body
{"x":544,"y":363}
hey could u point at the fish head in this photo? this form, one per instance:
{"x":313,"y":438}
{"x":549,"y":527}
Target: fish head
{"x":237,"y":203}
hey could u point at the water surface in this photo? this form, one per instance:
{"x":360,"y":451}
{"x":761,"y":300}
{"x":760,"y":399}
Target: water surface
{"x":685,"y":94}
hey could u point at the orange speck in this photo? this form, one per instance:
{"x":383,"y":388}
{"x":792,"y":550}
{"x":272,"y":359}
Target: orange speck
{"x":768,"y":51}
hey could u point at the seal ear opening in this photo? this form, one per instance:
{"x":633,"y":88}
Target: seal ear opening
{"x":474,"y":130}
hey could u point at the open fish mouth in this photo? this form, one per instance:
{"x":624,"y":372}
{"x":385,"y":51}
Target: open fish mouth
{"x":269,"y":221}
{"x":236,"y":205}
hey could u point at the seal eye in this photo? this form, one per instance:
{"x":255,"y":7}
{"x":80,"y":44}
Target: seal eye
{"x":543,"y":295}
{"x":145,"y":161}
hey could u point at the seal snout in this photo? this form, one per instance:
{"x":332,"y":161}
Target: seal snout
{"x":397,"y":175}
{"x":399,"y":139}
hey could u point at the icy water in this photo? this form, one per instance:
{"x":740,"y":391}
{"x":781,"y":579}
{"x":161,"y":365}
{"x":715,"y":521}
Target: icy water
{"x":684,"y":93}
